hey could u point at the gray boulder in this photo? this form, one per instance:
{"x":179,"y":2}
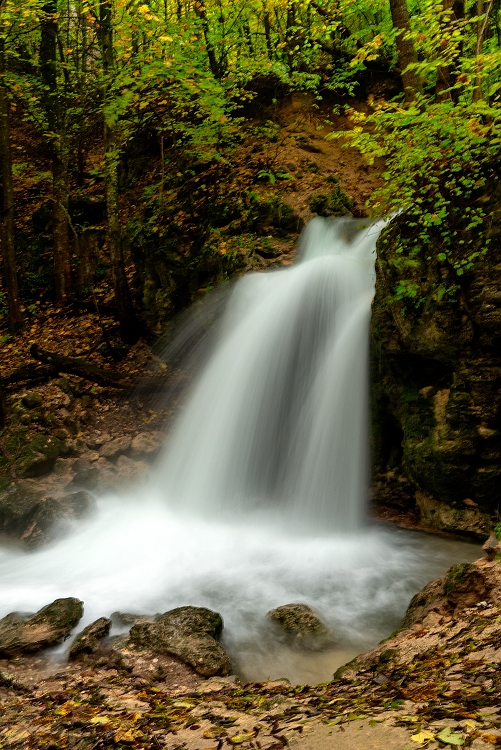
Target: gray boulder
{"x":147,"y":444}
{"x":38,"y":457}
{"x":115,"y":447}
{"x":301,"y":626}
{"x":48,"y":627}
{"x":34,"y":518}
{"x":190,"y":633}
{"x":89,"y":640}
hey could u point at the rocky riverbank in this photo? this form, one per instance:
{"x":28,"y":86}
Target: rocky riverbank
{"x":435,"y":683}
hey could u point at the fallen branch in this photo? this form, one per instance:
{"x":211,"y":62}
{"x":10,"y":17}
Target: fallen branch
{"x":87,"y":371}
{"x":80,"y":367}
{"x":29,"y":373}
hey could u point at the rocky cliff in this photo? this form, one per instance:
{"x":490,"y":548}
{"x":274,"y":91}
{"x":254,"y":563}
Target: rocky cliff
{"x":437,"y":376}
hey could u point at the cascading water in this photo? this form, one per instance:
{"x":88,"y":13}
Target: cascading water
{"x":259,"y":499}
{"x":278,"y":417}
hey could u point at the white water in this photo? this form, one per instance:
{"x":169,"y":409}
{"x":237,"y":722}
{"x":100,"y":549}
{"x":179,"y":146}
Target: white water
{"x":260,"y":497}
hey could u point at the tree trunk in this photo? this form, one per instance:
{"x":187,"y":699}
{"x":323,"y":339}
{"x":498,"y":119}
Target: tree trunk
{"x":56,"y":119}
{"x":445,"y":73}
{"x":7,"y":205}
{"x":201,"y":12}
{"x":405,"y":48}
{"x":290,"y":33}
{"x":481,"y":29}
{"x":267,"y":32}
{"x":129,"y":331}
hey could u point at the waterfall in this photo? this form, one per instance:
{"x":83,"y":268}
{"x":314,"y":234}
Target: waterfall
{"x":260,"y":495}
{"x":278,"y":417}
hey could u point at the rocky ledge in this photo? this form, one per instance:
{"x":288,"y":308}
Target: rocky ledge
{"x":436,"y":683}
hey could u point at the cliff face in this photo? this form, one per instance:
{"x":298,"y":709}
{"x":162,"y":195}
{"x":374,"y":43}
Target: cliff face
{"x":437,"y":380}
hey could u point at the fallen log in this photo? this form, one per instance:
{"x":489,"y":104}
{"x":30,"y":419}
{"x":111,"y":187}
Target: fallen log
{"x":80,"y":367}
{"x":29,"y":373}
{"x":106,"y":378}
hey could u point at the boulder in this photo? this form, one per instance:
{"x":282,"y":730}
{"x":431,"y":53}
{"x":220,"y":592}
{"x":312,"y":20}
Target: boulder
{"x":88,"y":641}
{"x":463,"y":586}
{"x":38,"y":457}
{"x":115,"y":447}
{"x":147,"y":444}
{"x":32,"y":400}
{"x":48,"y":627}
{"x":301,"y":625}
{"x":129,"y":472}
{"x":190,"y":633}
{"x":34,"y":518}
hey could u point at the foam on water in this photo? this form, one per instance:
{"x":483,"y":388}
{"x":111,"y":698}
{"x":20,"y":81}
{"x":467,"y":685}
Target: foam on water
{"x":260,"y":497}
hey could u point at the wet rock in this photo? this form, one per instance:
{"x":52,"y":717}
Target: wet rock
{"x":191,"y":634}
{"x":464,"y":585}
{"x":48,"y":627}
{"x":300,"y":623}
{"x":94,"y":442}
{"x":115,"y":447}
{"x":129,"y":472}
{"x":38,"y":457}
{"x":147,"y":444}
{"x":219,"y":684}
{"x":492,"y":546}
{"x":124,"y":619}
{"x":34,"y":518}
{"x":89,"y":640}
{"x":32,"y":400}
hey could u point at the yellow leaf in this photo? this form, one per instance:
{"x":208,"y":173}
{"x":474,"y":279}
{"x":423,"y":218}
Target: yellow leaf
{"x":126,"y":735}
{"x":471,"y":724}
{"x":423,"y":736}
{"x":100,"y":720}
{"x":238,"y":739}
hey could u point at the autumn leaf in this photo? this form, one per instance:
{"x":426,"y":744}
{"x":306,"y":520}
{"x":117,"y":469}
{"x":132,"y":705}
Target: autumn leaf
{"x":238,"y":739}
{"x":424,"y":736}
{"x":449,"y":737}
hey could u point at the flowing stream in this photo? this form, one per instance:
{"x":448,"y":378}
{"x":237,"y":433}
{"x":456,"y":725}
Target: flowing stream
{"x":260,"y":497}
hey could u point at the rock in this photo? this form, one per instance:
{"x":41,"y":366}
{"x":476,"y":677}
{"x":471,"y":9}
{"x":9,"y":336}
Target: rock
{"x":34,"y":518}
{"x":115,"y":447}
{"x":129,"y":472}
{"x":147,"y":444}
{"x":437,"y":395}
{"x":32,"y":400}
{"x":219,"y":684}
{"x":492,"y":546}
{"x":189,"y":633}
{"x":464,"y":585}
{"x":301,"y":624}
{"x":88,"y":641}
{"x":38,"y":457}
{"x":48,"y":627}
{"x":123,"y":619}
{"x":96,"y":441}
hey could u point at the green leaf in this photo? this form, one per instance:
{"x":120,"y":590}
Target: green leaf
{"x":448,"y":737}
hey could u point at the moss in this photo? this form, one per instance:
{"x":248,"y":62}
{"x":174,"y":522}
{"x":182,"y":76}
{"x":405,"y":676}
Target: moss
{"x":455,"y":575}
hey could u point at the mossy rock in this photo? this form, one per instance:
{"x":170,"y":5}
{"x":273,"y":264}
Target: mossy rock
{"x":38,"y":457}
{"x":455,"y":575}
{"x":332,"y":203}
{"x":301,"y":626}
{"x":47,"y":628}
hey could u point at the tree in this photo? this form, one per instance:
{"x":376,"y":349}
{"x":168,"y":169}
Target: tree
{"x":7,"y":203}
{"x":129,"y":330}
{"x":405,"y":47}
{"x":55,"y":109}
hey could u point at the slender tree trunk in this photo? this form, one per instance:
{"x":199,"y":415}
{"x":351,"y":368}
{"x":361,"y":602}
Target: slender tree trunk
{"x":56,"y":118}
{"x":405,"y":48}
{"x":127,"y":318}
{"x":267,"y":32}
{"x":481,"y":29}
{"x":7,"y":205}
{"x":201,"y":12}
{"x":445,"y":73}
{"x":290,"y":34}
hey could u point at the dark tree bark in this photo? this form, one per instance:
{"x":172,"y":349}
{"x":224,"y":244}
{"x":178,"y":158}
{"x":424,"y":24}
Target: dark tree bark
{"x":405,"y":48}
{"x":267,"y":32}
{"x":56,"y":119}
{"x":481,"y":29}
{"x":290,"y":33}
{"x":201,"y":12}
{"x":445,"y":73}
{"x":7,"y":205}
{"x":129,"y":329}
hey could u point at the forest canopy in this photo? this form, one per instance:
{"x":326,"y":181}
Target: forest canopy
{"x":175,"y":83}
